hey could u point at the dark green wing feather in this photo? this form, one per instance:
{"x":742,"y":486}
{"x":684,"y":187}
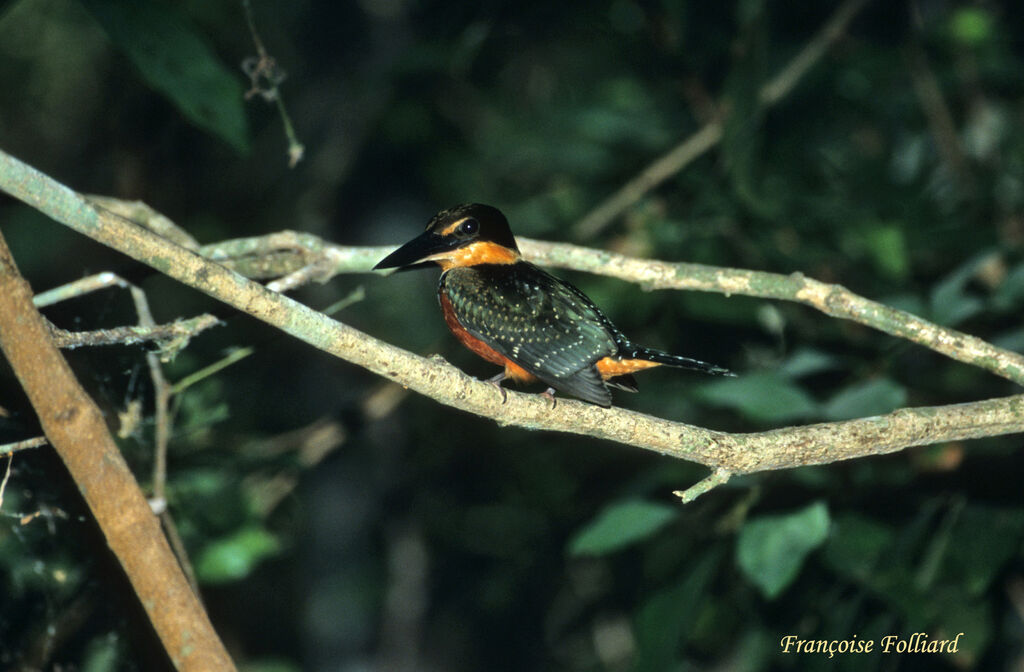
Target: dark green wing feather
{"x":541,"y":323}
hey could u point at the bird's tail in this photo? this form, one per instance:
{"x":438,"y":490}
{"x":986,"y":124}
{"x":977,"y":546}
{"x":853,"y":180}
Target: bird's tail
{"x":659,"y":357}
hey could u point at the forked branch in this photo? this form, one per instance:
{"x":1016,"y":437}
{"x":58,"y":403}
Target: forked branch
{"x":75,"y":427}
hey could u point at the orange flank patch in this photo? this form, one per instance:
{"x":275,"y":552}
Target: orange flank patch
{"x":480,"y":252}
{"x":515,"y":372}
{"x":610,"y":367}
{"x":512,"y":370}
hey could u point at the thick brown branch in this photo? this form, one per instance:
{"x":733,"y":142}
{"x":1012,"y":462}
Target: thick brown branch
{"x":75,"y":427}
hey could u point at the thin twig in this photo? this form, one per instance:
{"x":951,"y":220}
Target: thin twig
{"x":207,"y":371}
{"x":34,"y":442}
{"x":161,"y":441}
{"x":180,"y":552}
{"x":650,"y":177}
{"x":171,"y":337}
{"x":7,"y":477}
{"x":145,"y":215}
{"x":716,"y":478}
{"x":78,"y":288}
{"x":309,"y":445}
{"x":353,"y":297}
{"x":786,"y":80}
{"x":939,"y":116}
{"x":265,"y":76}
{"x":178,"y":332}
{"x":711,"y":133}
{"x":161,"y":396}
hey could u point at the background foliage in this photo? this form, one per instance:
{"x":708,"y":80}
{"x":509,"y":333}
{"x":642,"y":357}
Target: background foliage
{"x":415,"y":537}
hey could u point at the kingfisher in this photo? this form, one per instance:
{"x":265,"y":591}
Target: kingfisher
{"x":515,"y":315}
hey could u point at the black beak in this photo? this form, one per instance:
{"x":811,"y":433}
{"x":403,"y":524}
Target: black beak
{"x":417,"y":250}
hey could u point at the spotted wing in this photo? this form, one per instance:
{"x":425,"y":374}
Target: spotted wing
{"x":541,"y":323}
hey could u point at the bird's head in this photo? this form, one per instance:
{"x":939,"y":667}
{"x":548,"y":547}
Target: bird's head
{"x":465,"y":235}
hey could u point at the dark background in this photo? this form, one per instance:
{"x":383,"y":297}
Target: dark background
{"x":428,"y":539}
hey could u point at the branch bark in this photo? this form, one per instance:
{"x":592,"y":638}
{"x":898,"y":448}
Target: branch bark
{"x":736,"y":453}
{"x":833,"y":300}
{"x":75,"y":427}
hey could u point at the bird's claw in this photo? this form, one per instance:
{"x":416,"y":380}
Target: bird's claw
{"x":496,"y":381}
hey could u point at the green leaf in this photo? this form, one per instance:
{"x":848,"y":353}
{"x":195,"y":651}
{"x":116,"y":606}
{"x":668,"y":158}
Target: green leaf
{"x":856,"y":545}
{"x":888,"y":249}
{"x":872,"y":397}
{"x":950,"y":303}
{"x":971,"y":617}
{"x":972,"y":26}
{"x":103,"y":655}
{"x":986,"y":538}
{"x":234,"y":557}
{"x":954,"y":309}
{"x":765,"y":397}
{"x":807,"y":361}
{"x":619,"y":525}
{"x":665,"y":618}
{"x":771,"y":549}
{"x":1010,"y":293}
{"x":176,"y":61}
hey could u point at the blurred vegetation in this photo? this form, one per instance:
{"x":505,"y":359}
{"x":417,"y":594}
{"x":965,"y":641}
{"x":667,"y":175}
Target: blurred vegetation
{"x":414,"y":537}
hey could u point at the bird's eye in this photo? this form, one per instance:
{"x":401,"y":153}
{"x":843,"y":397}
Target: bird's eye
{"x":469,"y":227}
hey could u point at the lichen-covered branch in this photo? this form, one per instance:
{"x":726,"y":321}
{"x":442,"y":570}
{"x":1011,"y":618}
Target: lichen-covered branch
{"x":833,"y":300}
{"x":25,"y":444}
{"x":737,"y":453}
{"x":179,"y":332}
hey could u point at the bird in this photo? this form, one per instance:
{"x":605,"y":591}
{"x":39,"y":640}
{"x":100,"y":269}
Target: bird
{"x":514,"y":314}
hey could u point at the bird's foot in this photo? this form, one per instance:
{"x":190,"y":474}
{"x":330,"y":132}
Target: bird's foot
{"x":550,"y":394}
{"x":496,"y":381}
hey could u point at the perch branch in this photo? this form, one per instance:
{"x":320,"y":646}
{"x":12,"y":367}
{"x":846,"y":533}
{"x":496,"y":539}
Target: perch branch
{"x":75,"y":427}
{"x":736,"y":453}
{"x":833,"y":300}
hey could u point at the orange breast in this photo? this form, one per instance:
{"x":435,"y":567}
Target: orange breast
{"x":512,"y":370}
{"x":610,"y":367}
